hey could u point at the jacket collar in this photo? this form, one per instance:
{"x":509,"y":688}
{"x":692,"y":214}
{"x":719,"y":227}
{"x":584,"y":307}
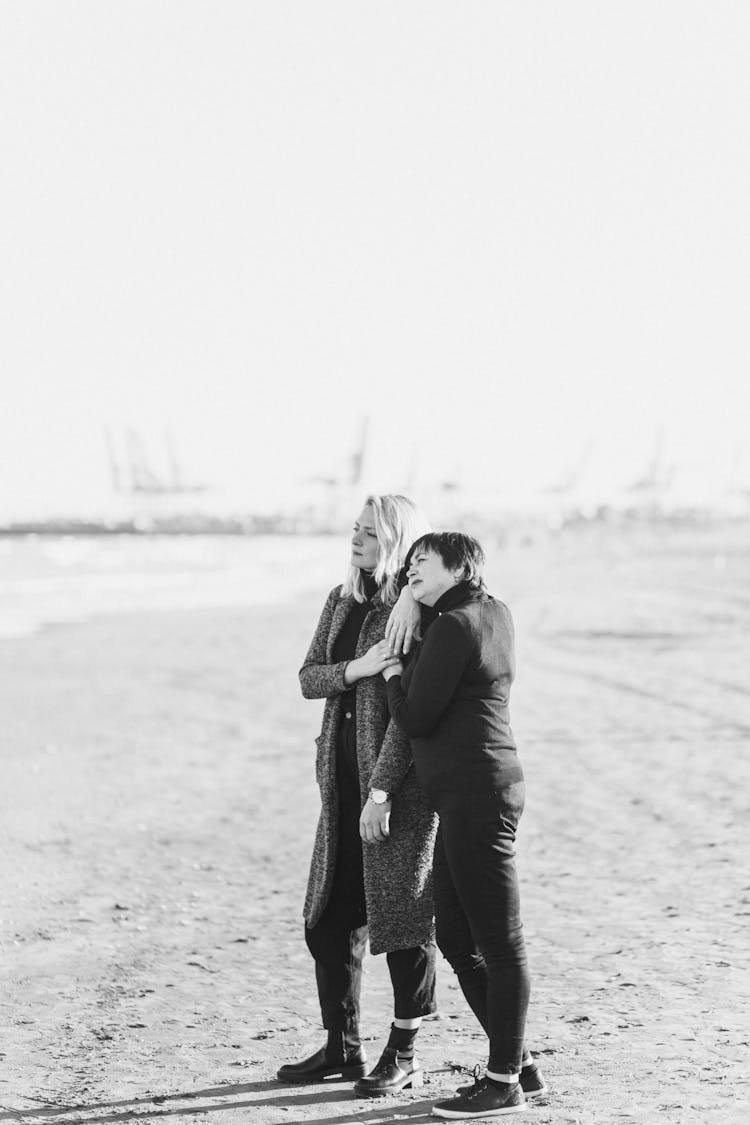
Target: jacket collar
{"x":460,"y":594}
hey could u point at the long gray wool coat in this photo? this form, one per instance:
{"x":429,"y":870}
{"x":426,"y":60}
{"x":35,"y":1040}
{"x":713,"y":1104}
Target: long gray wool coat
{"x":398,"y":871}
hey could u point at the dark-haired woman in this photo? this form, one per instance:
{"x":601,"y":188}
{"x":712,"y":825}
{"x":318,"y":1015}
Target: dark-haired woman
{"x":452,"y":701}
{"x":371,"y":866}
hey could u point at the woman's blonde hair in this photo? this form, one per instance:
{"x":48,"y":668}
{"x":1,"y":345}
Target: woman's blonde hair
{"x":398,"y":521}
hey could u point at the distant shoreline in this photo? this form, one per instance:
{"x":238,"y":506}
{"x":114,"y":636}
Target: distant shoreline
{"x":178,"y":527}
{"x":248,"y":526}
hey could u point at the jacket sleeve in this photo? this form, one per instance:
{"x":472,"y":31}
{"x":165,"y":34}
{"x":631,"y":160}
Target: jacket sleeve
{"x":318,"y":679}
{"x":445,"y":653}
{"x":393,"y":762}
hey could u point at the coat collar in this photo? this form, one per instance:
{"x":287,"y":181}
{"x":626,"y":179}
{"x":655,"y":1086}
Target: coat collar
{"x":340,"y":613}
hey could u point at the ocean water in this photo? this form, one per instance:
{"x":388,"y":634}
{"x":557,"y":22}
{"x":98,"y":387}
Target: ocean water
{"x":47,"y":580}
{"x":623,"y":576}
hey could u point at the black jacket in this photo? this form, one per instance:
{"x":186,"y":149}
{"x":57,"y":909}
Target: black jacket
{"x":452,"y":700}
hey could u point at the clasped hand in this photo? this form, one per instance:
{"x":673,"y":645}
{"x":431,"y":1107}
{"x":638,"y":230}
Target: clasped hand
{"x":377,"y":658}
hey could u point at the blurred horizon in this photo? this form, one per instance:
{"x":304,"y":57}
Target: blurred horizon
{"x":508,"y":241}
{"x":144,"y":478}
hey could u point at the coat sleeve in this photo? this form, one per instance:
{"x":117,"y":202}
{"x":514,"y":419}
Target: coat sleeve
{"x":393,"y":762}
{"x":445,"y":653}
{"x":318,"y":679}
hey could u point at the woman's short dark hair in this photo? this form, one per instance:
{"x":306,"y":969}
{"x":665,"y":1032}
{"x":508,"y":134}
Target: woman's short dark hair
{"x":457,"y":550}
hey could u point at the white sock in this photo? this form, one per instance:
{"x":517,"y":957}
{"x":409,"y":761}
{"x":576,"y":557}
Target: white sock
{"x":501,"y":1077}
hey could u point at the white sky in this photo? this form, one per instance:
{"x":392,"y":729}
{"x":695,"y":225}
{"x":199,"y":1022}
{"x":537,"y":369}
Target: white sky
{"x":508,"y":231}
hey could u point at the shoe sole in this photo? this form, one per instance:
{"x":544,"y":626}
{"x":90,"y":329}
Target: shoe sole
{"x":413,"y":1081}
{"x":528,"y":1094}
{"x":462,"y":1114}
{"x":342,"y":1074}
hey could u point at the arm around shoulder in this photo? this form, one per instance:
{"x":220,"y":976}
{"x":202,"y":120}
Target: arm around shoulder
{"x":403,"y":623}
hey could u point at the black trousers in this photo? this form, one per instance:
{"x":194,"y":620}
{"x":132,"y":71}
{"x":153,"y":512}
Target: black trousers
{"x":478,"y":915}
{"x":338,"y":941}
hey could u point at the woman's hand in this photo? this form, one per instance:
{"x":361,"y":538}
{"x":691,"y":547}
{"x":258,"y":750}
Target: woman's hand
{"x":371,"y":663}
{"x":393,"y":670}
{"x":374,"y":823}
{"x":403,"y":624}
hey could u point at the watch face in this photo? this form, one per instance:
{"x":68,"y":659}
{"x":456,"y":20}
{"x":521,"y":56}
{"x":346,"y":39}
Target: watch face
{"x":378,"y":796}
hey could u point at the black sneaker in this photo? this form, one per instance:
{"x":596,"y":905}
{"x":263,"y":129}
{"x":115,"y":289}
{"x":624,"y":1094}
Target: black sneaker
{"x":531,"y":1080}
{"x":486,"y":1098}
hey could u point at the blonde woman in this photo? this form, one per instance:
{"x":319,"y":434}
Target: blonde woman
{"x":371,"y":870}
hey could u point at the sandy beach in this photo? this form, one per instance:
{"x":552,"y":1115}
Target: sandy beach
{"x":157,"y":808}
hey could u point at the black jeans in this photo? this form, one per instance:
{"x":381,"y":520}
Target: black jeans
{"x":338,"y":941}
{"x":478,"y":916}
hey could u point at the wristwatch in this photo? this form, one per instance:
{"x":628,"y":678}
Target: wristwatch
{"x":379,"y":796}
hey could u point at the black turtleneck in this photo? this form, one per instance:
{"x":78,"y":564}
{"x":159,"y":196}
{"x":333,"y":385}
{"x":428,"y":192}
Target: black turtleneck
{"x":345,"y":645}
{"x":452,"y":699}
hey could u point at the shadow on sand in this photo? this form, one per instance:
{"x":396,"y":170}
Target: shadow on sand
{"x":277,"y":1095}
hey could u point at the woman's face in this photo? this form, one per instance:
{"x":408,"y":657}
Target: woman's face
{"x":429,"y":578}
{"x":365,"y":540}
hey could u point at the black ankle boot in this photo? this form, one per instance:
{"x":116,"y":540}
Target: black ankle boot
{"x":403,"y":1039}
{"x":341,"y":1060}
{"x":396,"y":1069}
